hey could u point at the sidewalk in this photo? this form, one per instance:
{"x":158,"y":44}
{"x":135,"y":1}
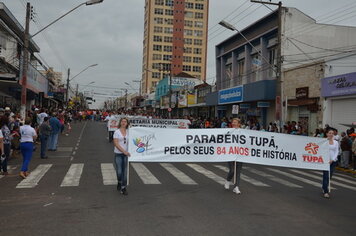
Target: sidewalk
{"x":350,"y":171}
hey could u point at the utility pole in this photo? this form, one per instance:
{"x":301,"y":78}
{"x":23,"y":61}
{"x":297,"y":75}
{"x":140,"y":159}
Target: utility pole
{"x":126,"y":99}
{"x":25,"y":63}
{"x":170,"y":92}
{"x":280,"y":112}
{"x":67,"y":98}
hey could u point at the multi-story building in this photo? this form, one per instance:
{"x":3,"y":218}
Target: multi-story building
{"x":175,"y":40}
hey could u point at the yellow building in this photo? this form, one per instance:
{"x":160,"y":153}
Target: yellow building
{"x":175,"y":40}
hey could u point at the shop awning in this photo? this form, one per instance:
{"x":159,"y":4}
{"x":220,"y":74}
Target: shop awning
{"x":302,"y":102}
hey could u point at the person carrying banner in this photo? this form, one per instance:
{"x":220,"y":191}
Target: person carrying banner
{"x":121,"y":154}
{"x":111,"y":125}
{"x":333,"y":151}
{"x":235,"y":168}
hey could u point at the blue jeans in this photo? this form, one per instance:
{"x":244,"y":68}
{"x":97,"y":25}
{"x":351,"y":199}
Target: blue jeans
{"x":44,"y":140}
{"x":26,"y":150}
{"x":121,"y":169}
{"x":52,"y":141}
{"x":7,"y":149}
{"x":326,"y":176}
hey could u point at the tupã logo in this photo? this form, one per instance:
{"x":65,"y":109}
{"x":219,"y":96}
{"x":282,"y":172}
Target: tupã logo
{"x":141,"y":147}
{"x":143,"y":143}
{"x":312,"y":148}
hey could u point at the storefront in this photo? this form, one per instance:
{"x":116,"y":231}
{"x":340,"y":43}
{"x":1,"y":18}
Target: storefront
{"x":339,"y":93}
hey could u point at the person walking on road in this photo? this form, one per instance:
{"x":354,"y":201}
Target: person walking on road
{"x":45,"y":131}
{"x":56,"y":127}
{"x":333,"y":153}
{"x":235,"y":168}
{"x":28,"y":136}
{"x":346,"y":146}
{"x":121,"y":154}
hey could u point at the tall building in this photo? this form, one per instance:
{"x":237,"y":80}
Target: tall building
{"x":175,"y":40}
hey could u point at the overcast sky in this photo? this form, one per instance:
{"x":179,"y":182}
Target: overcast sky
{"x":111,"y":34}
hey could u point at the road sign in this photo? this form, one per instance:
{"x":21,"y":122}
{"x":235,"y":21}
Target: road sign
{"x":235,"y":109}
{"x":169,"y":109}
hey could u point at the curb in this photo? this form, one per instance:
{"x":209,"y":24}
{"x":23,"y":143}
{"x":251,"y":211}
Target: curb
{"x":346,"y":170}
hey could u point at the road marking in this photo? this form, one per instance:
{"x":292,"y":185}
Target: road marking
{"x":146,"y":176}
{"x":273,"y":178}
{"x":36,"y":175}
{"x":211,"y":175}
{"x":339,"y":177}
{"x":182,"y":177}
{"x":244,"y":177}
{"x":64,"y":149}
{"x":73,"y":175}
{"x":317,"y":177}
{"x":109,"y":174}
{"x":10,"y":168}
{"x":74,"y":153}
{"x":76,"y":148}
{"x":307,"y":181}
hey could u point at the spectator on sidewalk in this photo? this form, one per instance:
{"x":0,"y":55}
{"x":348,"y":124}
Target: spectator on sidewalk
{"x":45,"y":131}
{"x":345,"y":145}
{"x":6,"y":133}
{"x":55,"y":130}
{"x":353,"y":137}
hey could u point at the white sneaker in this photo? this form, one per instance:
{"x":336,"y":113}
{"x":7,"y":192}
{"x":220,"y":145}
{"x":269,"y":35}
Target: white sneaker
{"x":236,"y":190}
{"x":227,"y":184}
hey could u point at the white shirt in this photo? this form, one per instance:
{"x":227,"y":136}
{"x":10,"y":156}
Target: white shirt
{"x":41,"y":116}
{"x":1,"y":136}
{"x":27,"y":133}
{"x":334,"y":150}
{"x":123,"y":141}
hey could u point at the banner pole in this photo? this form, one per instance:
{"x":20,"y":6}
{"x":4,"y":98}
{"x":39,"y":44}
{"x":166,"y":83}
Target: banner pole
{"x":329,"y":180}
{"x":235,"y":173}
{"x":128,"y":172}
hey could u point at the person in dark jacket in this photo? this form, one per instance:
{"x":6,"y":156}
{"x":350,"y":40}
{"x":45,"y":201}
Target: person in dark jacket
{"x":45,"y":132}
{"x":345,"y":145}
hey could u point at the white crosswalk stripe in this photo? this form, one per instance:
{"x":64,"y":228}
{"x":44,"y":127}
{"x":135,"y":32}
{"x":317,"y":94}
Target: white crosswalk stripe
{"x":73,"y":175}
{"x":179,"y":175}
{"x":244,"y":177}
{"x":339,"y":177}
{"x":32,"y":180}
{"x":145,"y":174}
{"x":211,"y":175}
{"x":307,"y":181}
{"x":109,"y":174}
{"x":319,"y":177}
{"x":9,"y":169}
{"x":273,"y":178}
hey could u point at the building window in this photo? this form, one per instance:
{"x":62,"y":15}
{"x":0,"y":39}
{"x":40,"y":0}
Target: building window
{"x":156,"y":66}
{"x":199,"y":15}
{"x":188,"y":32}
{"x":168,"y":12}
{"x":158,"y":20}
{"x":198,"y":33}
{"x":157,"y":47}
{"x":169,"y":3}
{"x":198,"y":42}
{"x":167,"y":57}
{"x":199,"y":6}
{"x":189,"y":5}
{"x":159,"y":2}
{"x":155,"y":75}
{"x":188,"y":23}
{"x":198,"y":24}
{"x":272,"y":59}
{"x":157,"y":38}
{"x":156,"y":57}
{"x":168,"y":39}
{"x":187,"y":50}
{"x":158,"y":29}
{"x":169,"y":21}
{"x":167,"y":48}
{"x":188,"y":14}
{"x":197,"y":59}
{"x":187,"y":68}
{"x":196,"y":68}
{"x":168,"y":30}
{"x":197,"y":51}
{"x":187,"y":59}
{"x":188,"y":41}
{"x":158,"y":11}
{"x":240,"y":68}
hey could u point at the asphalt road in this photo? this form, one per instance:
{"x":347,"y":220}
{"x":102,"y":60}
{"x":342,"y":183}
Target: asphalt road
{"x":74,"y":193}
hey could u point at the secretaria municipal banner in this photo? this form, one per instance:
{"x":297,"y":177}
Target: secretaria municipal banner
{"x":223,"y":145}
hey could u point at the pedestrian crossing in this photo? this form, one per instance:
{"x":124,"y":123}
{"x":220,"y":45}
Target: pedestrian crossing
{"x":191,"y":174}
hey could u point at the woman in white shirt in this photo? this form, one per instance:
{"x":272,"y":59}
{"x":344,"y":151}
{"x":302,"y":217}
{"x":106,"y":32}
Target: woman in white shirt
{"x":28,"y":135}
{"x":121,"y":154}
{"x":333,"y":153}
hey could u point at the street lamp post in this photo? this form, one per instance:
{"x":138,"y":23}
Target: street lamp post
{"x":26,"y":46}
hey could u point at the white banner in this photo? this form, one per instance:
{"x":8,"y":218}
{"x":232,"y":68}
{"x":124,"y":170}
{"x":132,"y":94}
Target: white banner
{"x":223,"y":145}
